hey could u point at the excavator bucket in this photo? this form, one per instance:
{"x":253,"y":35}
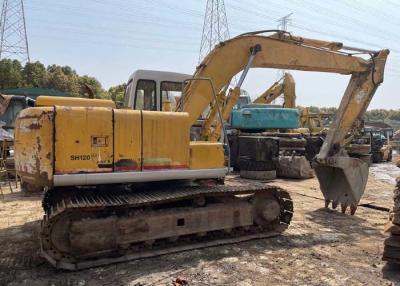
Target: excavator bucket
{"x":342,"y":181}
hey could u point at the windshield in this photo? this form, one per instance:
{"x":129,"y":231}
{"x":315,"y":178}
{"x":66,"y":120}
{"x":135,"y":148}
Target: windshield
{"x":243,"y":100}
{"x":172,"y":92}
{"x":145,"y":97}
{"x":128,"y":92}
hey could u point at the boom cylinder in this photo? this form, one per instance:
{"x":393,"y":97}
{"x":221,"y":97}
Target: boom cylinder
{"x":234,"y":95}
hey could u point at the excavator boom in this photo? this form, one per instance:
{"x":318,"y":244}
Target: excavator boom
{"x":279,"y":53}
{"x":342,"y":179}
{"x":287,"y":87}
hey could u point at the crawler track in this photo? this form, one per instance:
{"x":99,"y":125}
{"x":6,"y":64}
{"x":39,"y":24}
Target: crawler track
{"x":87,"y":227}
{"x":391,"y":250}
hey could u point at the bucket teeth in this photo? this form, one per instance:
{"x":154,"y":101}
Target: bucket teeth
{"x":353,"y":209}
{"x":343,"y":207}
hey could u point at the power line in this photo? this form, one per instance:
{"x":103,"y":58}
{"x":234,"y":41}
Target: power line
{"x":149,"y":45}
{"x":13,"y":37}
{"x":283,"y":23}
{"x":307,"y":20}
{"x":107,"y":34}
{"x":311,"y":15}
{"x":125,"y":16}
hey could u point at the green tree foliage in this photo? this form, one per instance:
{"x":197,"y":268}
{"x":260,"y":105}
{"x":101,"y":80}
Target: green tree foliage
{"x":11,"y":74}
{"x":94,"y":84}
{"x":382,"y":114}
{"x":370,"y":115}
{"x":376,"y":114}
{"x":315,"y":109}
{"x":394,"y":115}
{"x":63,"y":78}
{"x":34,"y":75}
{"x":117,"y":93}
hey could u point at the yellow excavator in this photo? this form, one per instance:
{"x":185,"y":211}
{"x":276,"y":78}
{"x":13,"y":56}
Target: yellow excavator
{"x":315,"y":122}
{"x":286,"y":86}
{"x":123,"y":184}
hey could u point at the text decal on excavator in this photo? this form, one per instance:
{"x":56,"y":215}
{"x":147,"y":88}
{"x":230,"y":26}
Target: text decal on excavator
{"x":80,"y":157}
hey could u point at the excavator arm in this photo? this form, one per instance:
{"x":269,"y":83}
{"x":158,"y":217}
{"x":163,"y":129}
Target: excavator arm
{"x":278,"y":51}
{"x":286,"y":86}
{"x":342,"y":179}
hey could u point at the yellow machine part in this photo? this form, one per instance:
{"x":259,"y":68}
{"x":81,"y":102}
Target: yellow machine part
{"x":144,"y":140}
{"x":206,"y":155}
{"x":127,"y":140}
{"x":34,"y":146}
{"x":84,"y":140}
{"x":80,"y":140}
{"x":73,"y":101}
{"x":165,"y":140}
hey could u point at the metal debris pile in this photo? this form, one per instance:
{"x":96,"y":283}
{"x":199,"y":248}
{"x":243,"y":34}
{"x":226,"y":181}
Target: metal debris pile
{"x":391,"y":252}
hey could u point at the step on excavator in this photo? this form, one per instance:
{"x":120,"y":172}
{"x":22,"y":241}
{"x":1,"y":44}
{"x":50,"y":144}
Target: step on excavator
{"x":123,"y":184}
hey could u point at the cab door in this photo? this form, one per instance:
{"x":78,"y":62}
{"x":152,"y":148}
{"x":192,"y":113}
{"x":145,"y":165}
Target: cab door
{"x":146,"y":95}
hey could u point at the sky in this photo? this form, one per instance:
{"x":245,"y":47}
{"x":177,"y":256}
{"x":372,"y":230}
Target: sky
{"x":110,"y":39}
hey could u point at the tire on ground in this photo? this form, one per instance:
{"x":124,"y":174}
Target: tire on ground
{"x":257,"y":170}
{"x":257,"y":165}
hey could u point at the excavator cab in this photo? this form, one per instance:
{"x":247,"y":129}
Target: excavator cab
{"x":154,"y":90}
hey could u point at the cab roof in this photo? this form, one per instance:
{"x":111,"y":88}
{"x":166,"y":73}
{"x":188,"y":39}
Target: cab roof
{"x":159,"y":75}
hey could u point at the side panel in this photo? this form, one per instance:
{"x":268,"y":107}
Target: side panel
{"x":73,"y":101}
{"x":34,"y":146}
{"x":127,"y":140}
{"x":84,"y":140}
{"x":165,"y":140}
{"x":265,"y":118}
{"x":206,"y":155}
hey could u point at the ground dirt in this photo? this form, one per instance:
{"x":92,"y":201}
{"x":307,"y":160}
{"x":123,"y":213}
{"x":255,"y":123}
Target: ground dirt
{"x":321,"y":247}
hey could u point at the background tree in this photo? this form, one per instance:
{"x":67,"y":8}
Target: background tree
{"x":394,"y":115}
{"x":94,"y":84}
{"x":66,"y":79}
{"x":10,"y":74}
{"x":376,"y":114}
{"x":35,"y":75}
{"x":117,"y":92}
{"x":63,"y":79}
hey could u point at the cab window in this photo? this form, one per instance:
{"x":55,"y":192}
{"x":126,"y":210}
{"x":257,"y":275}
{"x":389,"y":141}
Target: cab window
{"x":171,"y":91}
{"x":128,"y":92}
{"x":145,"y":95}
